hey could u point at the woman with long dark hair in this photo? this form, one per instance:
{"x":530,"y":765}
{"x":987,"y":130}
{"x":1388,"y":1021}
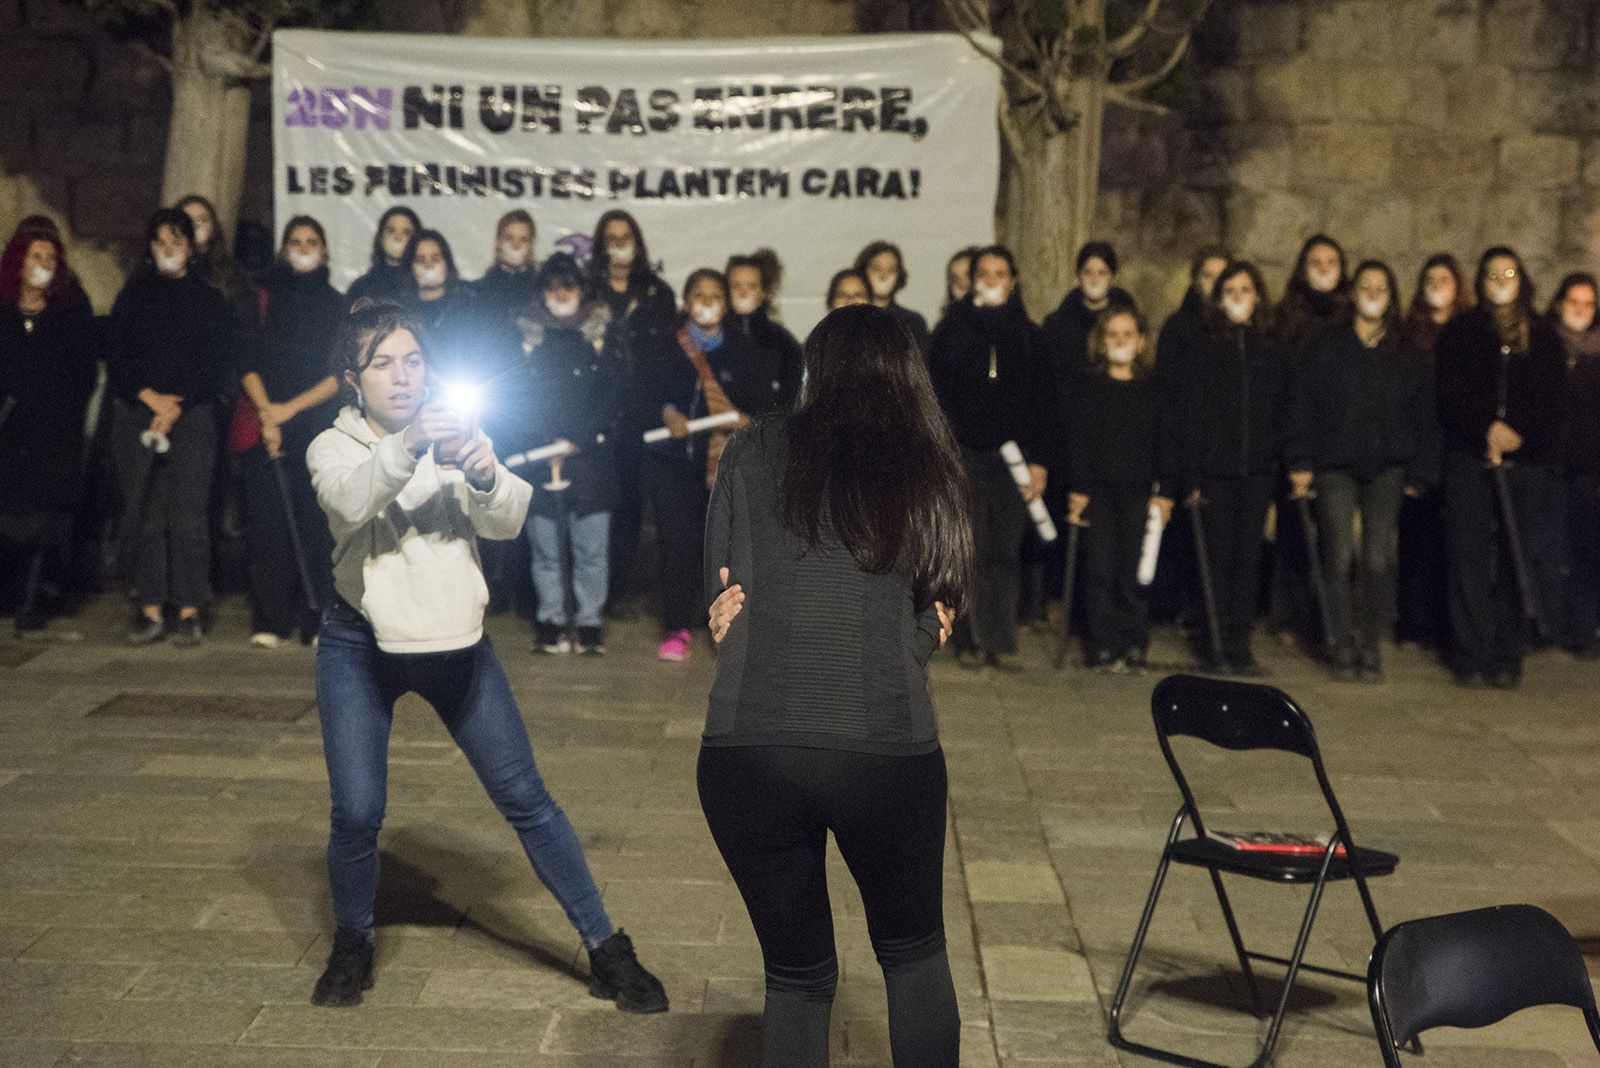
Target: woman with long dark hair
{"x":1361,"y":431}
{"x":846,"y":524}
{"x":47,"y":371}
{"x":387,"y":277}
{"x":1501,"y":383}
{"x":285,"y":377}
{"x":409,"y":486}
{"x":168,"y":354}
{"x":212,"y":261}
{"x":645,"y":313}
{"x":1232,"y":452}
{"x":1572,"y":313}
{"x":1440,"y":295}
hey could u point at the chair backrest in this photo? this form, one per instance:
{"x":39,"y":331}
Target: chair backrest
{"x":1233,"y":715}
{"x":1471,"y":969}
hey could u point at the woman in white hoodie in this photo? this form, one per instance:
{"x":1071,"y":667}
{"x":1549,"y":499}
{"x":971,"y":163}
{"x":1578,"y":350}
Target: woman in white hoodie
{"x":408,"y":485}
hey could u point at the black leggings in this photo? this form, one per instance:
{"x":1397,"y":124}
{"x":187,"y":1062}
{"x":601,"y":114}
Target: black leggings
{"x":770,"y":809}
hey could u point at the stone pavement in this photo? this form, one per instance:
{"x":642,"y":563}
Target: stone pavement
{"x":162,"y":898}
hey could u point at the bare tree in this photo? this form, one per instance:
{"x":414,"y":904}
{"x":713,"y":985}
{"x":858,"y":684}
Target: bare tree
{"x":1062,"y":64}
{"x":214,"y":49}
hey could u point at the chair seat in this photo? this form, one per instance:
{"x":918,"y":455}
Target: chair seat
{"x":1278,"y":867}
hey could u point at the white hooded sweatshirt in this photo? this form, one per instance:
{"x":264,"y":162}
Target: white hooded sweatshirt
{"x":404,"y":551}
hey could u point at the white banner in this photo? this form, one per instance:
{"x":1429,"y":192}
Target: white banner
{"x":812,"y":146}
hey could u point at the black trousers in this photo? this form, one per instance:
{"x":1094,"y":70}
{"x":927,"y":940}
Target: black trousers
{"x":1359,"y":578}
{"x":1234,"y":517}
{"x":1583,"y":556}
{"x":678,"y":499}
{"x":999,"y":518}
{"x":277,"y":598}
{"x":1116,"y":515}
{"x":166,"y":519}
{"x":628,"y":516}
{"x":1488,"y":633}
{"x":770,"y":809}
{"x":1422,"y":571}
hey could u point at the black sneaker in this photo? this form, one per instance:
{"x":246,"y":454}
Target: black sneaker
{"x":189,"y":632}
{"x":615,"y":974}
{"x":550,"y":638}
{"x":146,"y":631}
{"x":591,"y":642}
{"x":348,"y":973}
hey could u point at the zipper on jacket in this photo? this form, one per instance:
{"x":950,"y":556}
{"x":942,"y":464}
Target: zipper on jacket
{"x":994,"y":370}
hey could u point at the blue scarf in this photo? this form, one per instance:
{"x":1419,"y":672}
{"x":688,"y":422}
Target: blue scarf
{"x":708,"y":342}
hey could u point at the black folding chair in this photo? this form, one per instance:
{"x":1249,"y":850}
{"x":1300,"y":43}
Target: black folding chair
{"x":1472,"y":969}
{"x":1241,"y":716}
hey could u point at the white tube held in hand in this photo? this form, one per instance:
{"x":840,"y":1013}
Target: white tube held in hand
{"x":1036,"y":509}
{"x":533,"y":456}
{"x":156,"y":442}
{"x":1151,"y":547}
{"x":696,"y":426}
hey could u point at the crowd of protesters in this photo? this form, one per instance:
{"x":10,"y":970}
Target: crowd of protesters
{"x":1354,"y":462}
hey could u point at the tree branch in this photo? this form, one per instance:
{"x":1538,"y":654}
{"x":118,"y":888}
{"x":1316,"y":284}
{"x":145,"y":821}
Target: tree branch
{"x":1143,"y":82}
{"x":992,"y":56}
{"x":151,"y":53}
{"x":1126,"y":41}
{"x":1117,"y":95}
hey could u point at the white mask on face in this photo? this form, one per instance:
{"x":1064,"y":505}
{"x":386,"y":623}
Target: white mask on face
{"x":40,"y":277}
{"x":1238,"y":309}
{"x":512,"y":255}
{"x":202,"y":234}
{"x":622,"y":255}
{"x":746,"y":305}
{"x":882,"y":285}
{"x":304,"y":262}
{"x":171,"y":264}
{"x":706,"y":316}
{"x":1438,"y":297}
{"x":1372,"y":307}
{"x":1500,"y":292}
{"x":1324,"y":280}
{"x":1096,"y":291}
{"x":1578,"y":324}
{"x":1122,"y":355}
{"x":988,"y":296}
{"x":395,"y":247}
{"x":429,"y":277}
{"x":561,"y":309}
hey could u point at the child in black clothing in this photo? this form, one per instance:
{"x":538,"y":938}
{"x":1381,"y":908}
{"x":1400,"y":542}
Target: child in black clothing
{"x":1117,"y":459}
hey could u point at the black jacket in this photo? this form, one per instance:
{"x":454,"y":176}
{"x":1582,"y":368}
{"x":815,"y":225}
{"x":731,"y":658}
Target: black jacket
{"x":1117,"y":433}
{"x":572,"y":371}
{"x":49,"y":371}
{"x":740,"y":368}
{"x":912,"y":321}
{"x":1235,"y":404}
{"x":993,"y":382}
{"x":291,"y":348}
{"x":1361,"y":410}
{"x":464,"y":343}
{"x":646,"y":314}
{"x":383,"y":282}
{"x":1065,"y":331}
{"x":173,"y":335}
{"x":779,"y":351}
{"x":506,"y":294}
{"x":1479,"y":381}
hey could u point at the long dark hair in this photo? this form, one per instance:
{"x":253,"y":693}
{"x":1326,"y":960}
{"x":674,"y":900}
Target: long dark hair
{"x":1419,"y":328}
{"x":1295,"y":311}
{"x":1569,"y":283}
{"x":1218,"y":320}
{"x":369,"y":324}
{"x":600,"y":259}
{"x":452,"y":276}
{"x":16,"y":254}
{"x":871,"y":460}
{"x":379,"y":257}
{"x":1391,"y":315}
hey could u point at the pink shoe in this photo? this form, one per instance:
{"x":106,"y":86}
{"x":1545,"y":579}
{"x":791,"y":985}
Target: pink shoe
{"x":676,"y":647}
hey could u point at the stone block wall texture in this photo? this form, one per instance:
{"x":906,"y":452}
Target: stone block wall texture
{"x":1401,"y":127}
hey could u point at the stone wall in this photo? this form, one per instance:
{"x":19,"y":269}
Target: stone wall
{"x":1400,"y":127}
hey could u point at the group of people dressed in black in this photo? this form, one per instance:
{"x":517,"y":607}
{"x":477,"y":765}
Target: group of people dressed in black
{"x":1430,"y":458}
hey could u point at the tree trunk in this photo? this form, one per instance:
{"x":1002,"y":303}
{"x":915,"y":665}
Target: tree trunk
{"x":1050,"y":200}
{"x":207,"y":138}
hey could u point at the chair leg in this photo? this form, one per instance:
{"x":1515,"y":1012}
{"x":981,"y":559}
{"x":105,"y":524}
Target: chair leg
{"x":1114,"y":1033}
{"x":1295,"y":958}
{"x":1238,"y":942}
{"x":1415,"y":1045}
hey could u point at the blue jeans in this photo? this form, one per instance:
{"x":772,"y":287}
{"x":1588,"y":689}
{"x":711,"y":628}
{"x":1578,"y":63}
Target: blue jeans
{"x":357,"y":686}
{"x":590,"y":537}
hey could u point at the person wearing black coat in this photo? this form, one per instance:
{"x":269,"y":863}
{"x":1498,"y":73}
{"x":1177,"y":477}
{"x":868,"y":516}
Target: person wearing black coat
{"x":995,"y":386}
{"x":48,"y":360}
{"x":388,"y":278}
{"x":1174,"y":594}
{"x":1118,"y":468}
{"x":884,"y":268}
{"x":570,"y":339}
{"x":1572,"y":313}
{"x":1501,"y":382}
{"x":169,"y":342}
{"x":1236,"y":402}
{"x":285,"y":375}
{"x":1363,"y":433}
{"x":645,"y":312}
{"x":511,"y":284}
{"x":776,"y":349}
